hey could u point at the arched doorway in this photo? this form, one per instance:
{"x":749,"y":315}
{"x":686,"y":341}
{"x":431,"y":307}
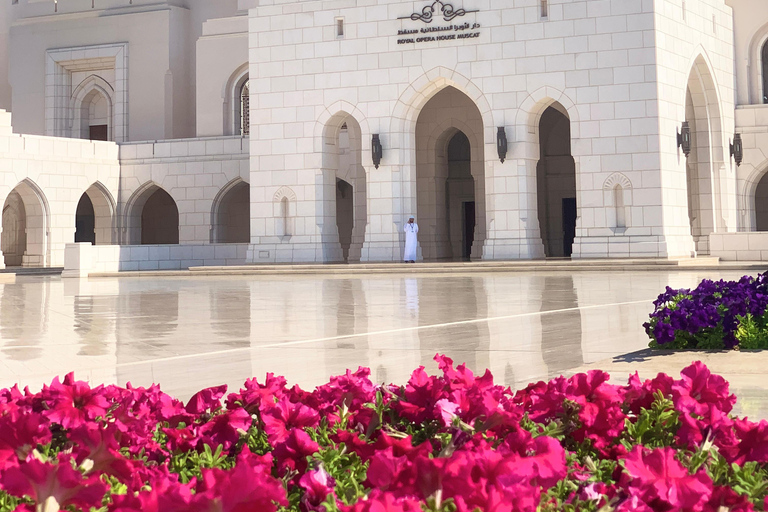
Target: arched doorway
{"x":85,"y":221}
{"x":761,"y":204}
{"x":94,"y":217}
{"x":95,"y":116}
{"x":346,"y":216}
{"x":704,"y":164}
{"x":556,"y":183}
{"x":450,"y":177}
{"x":14,"y":240}
{"x":153,"y":217}
{"x":232,"y":214}
{"x":460,"y":197}
{"x":25,"y":221}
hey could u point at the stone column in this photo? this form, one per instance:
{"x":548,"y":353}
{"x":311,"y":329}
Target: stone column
{"x":511,"y":209}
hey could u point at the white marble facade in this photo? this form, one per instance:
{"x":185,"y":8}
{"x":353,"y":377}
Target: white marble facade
{"x":250,"y":122}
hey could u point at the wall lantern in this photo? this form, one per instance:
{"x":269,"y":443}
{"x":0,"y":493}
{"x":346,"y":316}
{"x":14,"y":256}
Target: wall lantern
{"x":737,"y":149}
{"x":376,"y":150}
{"x":684,"y":139}
{"x":501,"y":143}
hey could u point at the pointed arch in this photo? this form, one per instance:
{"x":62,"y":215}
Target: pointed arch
{"x":425,"y":87}
{"x":32,"y":231}
{"x":80,"y":102}
{"x":230,"y":213}
{"x":705,"y":166}
{"x":103,"y":222}
{"x":527,"y":123}
{"x":164,"y":228}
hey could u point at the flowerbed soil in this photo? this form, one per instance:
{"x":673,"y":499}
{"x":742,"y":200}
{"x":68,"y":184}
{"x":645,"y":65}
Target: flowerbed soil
{"x":452,"y":442}
{"x":714,"y":315}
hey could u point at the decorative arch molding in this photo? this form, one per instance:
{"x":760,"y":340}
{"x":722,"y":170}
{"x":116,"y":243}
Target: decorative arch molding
{"x":425,"y":87}
{"x":332,"y":118}
{"x":286,"y":192}
{"x":284,"y":208}
{"x":60,"y":65}
{"x":80,"y":96}
{"x":617,"y":178}
{"x":531,"y":109}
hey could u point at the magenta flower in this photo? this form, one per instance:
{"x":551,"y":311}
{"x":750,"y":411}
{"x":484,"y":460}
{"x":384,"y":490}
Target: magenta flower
{"x":663,"y":483}
{"x":385,"y":502}
{"x":699,"y":390}
{"x":225,"y":429}
{"x":293,"y":452}
{"x":248,"y":487}
{"x":284,"y":416}
{"x":20,"y":433}
{"x":207,"y":400}
{"x":71,"y":402}
{"x":53,"y":486}
{"x":317,"y":485}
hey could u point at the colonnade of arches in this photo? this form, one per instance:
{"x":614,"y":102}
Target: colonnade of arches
{"x":450,"y":182}
{"x":150,"y":217}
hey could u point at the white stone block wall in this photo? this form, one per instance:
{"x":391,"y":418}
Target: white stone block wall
{"x":617,"y":67}
{"x":749,"y":246}
{"x":694,"y":43}
{"x":51,"y":175}
{"x":84,"y":259}
{"x":194,"y":172}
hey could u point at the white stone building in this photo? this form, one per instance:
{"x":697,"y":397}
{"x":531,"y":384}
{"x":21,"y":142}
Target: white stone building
{"x":244,"y":130}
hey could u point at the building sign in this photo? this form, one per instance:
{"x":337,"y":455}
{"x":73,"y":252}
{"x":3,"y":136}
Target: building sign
{"x":443,"y":12}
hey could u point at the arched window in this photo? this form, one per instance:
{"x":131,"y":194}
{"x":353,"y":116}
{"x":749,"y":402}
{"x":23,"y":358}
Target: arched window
{"x":244,"y":101}
{"x":764,"y":55}
{"x":618,"y":204}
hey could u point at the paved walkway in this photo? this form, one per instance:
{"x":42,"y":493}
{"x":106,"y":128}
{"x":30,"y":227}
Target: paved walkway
{"x":190,"y":333}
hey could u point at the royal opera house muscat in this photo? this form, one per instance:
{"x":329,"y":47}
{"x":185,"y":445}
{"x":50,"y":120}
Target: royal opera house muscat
{"x":164,"y":134}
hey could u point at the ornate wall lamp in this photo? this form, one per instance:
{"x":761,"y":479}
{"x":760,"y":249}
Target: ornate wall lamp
{"x":501,"y":143}
{"x":376,"y":150}
{"x":737,"y":149}
{"x":684,"y":139}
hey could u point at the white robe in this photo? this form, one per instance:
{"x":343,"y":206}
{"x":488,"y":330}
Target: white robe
{"x":410,"y":241}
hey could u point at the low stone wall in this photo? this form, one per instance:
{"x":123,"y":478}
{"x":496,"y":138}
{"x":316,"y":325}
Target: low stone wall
{"x":82,"y":259}
{"x":745,"y":246}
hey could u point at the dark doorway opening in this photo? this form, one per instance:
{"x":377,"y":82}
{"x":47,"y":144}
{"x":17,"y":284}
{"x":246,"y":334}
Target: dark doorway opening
{"x":569,"y":224}
{"x":98,"y":132}
{"x":85,"y":221}
{"x":469,"y":228}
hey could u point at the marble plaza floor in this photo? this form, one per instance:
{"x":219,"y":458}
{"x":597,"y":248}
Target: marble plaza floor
{"x":189,"y":333}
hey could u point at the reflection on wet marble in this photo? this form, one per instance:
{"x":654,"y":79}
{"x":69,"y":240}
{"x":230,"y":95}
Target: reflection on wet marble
{"x":188,"y":333}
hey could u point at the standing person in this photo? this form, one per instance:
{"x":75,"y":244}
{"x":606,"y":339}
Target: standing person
{"x":411,"y":229}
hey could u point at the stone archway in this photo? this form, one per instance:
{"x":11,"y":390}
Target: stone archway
{"x":231,"y":215}
{"x":556,"y":183}
{"x":25,"y":221}
{"x":345,"y":207}
{"x":704,"y":165}
{"x":450,"y":177}
{"x":94,"y":217}
{"x":153,"y":217}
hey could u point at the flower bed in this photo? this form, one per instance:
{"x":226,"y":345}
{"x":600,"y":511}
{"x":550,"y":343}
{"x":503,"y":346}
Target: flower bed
{"x":453,"y":442}
{"x":715,"y":315}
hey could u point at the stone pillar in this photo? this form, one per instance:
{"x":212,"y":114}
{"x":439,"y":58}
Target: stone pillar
{"x":511,"y":210}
